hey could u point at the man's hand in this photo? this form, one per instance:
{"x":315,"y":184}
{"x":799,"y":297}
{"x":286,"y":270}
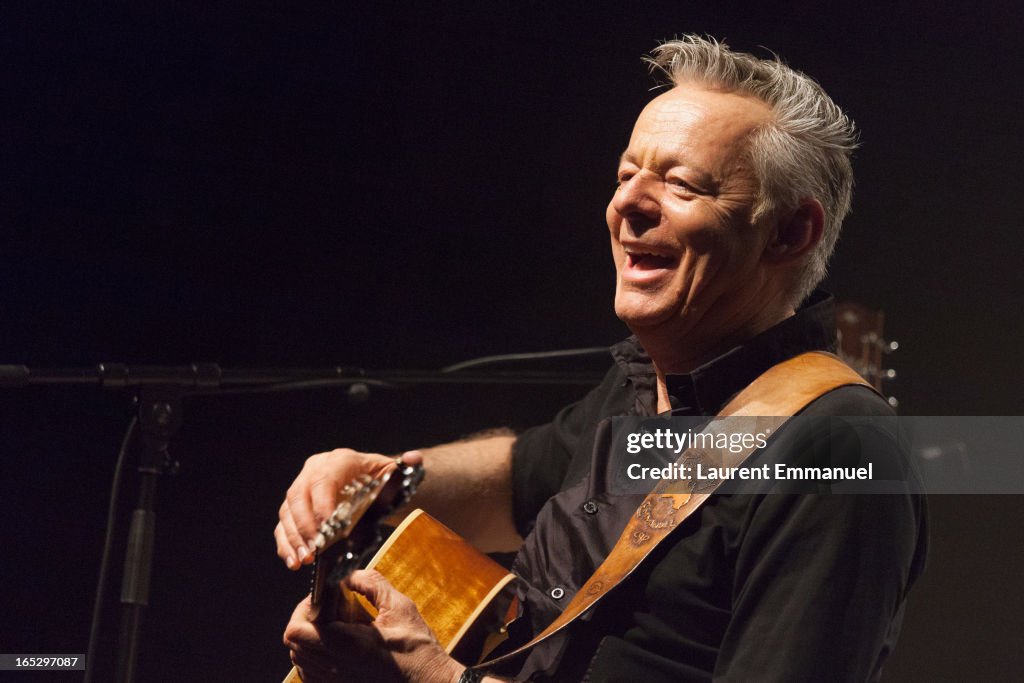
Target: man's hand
{"x":313,"y":496}
{"x":397,"y":646}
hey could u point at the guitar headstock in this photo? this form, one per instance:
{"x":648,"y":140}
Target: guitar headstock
{"x":862,"y":343}
{"x":352,"y":532}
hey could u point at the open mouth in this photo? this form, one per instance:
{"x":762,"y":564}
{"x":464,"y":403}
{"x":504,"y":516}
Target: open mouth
{"x":647,"y":261}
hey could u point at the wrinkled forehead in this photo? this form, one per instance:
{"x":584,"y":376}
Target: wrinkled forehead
{"x":687,"y":121}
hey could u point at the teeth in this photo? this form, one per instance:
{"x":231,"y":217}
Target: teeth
{"x":649,"y":260}
{"x":634,"y":252}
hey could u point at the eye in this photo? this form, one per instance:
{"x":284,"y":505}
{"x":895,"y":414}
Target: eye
{"x":623,"y":177}
{"x":682,"y":187}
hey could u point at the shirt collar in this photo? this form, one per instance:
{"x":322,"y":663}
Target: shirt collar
{"x":706,"y":389}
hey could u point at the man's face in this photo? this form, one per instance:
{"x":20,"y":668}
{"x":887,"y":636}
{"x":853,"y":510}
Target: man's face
{"x":680,"y":219}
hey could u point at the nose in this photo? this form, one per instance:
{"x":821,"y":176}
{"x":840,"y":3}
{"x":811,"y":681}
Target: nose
{"x":636,"y":201}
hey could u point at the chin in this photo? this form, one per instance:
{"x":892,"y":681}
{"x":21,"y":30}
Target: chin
{"x":638,"y":311}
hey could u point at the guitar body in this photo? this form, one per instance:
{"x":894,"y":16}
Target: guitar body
{"x":464,"y":596}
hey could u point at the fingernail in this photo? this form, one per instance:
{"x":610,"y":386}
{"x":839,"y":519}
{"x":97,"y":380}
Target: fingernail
{"x":291,"y":562}
{"x":302,"y":553}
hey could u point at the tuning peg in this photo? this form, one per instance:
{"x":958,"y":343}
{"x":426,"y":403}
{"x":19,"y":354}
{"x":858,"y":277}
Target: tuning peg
{"x":893,"y":401}
{"x":891,"y":346}
{"x":888,"y":373}
{"x":358,"y":393}
{"x":342,"y":511}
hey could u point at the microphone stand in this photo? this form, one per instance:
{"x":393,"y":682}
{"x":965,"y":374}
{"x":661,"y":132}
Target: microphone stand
{"x":160,"y":390}
{"x":159,"y":419}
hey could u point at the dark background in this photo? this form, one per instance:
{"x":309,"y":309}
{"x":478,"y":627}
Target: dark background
{"x":402,"y":185}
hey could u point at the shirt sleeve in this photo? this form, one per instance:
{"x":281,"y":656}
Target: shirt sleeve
{"x":819,"y":587}
{"x":820,"y":579}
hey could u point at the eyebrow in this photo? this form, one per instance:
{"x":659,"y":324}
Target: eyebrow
{"x":703,"y":177}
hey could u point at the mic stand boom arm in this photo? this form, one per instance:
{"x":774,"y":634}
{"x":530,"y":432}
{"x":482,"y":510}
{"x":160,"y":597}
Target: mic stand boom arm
{"x":160,"y":390}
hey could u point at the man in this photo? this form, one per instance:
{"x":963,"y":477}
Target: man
{"x":730,"y":197}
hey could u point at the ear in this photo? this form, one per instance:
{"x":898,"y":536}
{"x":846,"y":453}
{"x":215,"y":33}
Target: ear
{"x":796,"y":233}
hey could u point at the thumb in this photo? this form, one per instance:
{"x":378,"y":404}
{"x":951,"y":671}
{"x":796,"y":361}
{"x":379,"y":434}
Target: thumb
{"x":372,"y":585}
{"x":412,"y":458}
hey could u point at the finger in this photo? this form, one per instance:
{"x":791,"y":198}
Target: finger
{"x":313,"y":666}
{"x":322,"y":649}
{"x":302,"y":514}
{"x":339,"y":636}
{"x":284,"y":547}
{"x":300,"y":631}
{"x":343,"y":648}
{"x":324,"y":495}
{"x":314,"y":494}
{"x":299,"y":548}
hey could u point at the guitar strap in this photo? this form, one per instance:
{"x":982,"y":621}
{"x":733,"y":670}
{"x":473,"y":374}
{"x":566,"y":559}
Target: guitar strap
{"x":770,"y":400}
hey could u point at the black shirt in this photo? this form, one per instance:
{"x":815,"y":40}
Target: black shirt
{"x":750,"y":587}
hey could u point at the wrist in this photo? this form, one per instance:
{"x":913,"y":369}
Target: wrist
{"x":444,"y":669}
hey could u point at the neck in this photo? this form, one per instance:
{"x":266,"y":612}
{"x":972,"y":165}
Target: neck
{"x":683,"y":353}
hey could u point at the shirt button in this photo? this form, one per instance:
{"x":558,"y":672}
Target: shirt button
{"x":557,"y":592}
{"x":590,"y":507}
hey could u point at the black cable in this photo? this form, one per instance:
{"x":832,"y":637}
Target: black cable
{"x":540,"y":355}
{"x":115,"y":487}
{"x":328,"y":382}
{"x":299,"y":385}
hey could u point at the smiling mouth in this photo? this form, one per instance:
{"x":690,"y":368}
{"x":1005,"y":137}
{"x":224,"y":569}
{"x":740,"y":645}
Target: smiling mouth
{"x":646,"y":261}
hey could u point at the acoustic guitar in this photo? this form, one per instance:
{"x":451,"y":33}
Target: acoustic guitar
{"x":464,"y":596}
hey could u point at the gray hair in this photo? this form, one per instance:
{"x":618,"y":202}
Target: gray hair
{"x":804,"y":151}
